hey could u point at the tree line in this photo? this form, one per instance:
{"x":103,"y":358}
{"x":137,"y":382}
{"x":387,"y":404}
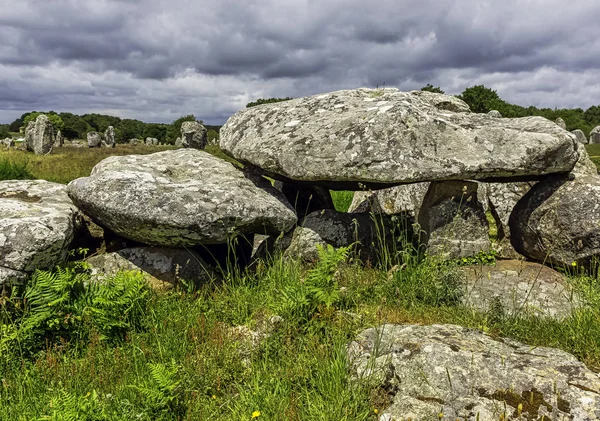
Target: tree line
{"x":73,"y":126}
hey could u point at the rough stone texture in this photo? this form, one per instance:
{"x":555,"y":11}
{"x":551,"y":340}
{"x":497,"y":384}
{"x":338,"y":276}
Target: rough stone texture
{"x":465,"y":374}
{"x":393,"y":200}
{"x":8,"y":142}
{"x":495,"y":114}
{"x":37,"y":223}
{"x":39,"y":136}
{"x":516,"y":287}
{"x":94,"y":140}
{"x":179,"y":198}
{"x":59,"y":140}
{"x":580,"y":136}
{"x":305,"y":199}
{"x":453,"y":221}
{"x":109,"y":137}
{"x":151,"y":141}
{"x":384,"y":136}
{"x":342,"y":229}
{"x":158,"y":264}
{"x":193,"y":135}
{"x":595,"y":135}
{"x":178,"y":142}
{"x":561,"y":123}
{"x":502,"y":198}
{"x":134,"y":141}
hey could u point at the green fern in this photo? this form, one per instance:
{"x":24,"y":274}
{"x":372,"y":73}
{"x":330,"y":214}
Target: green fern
{"x":164,"y":393}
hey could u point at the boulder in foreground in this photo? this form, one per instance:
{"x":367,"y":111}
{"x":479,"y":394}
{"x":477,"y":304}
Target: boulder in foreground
{"x":382,"y":137}
{"x":179,"y":198}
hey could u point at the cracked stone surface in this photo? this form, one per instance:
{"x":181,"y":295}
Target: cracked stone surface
{"x":465,"y":374}
{"x":37,"y":224}
{"x":379,"y":137}
{"x":180,"y":198}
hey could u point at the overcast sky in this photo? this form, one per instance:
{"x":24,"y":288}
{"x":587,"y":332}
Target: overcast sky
{"x":156,"y":60}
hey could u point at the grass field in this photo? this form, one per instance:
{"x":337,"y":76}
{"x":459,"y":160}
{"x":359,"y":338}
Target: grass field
{"x":75,"y":351}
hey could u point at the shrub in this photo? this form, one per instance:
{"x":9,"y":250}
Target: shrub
{"x":10,"y":170}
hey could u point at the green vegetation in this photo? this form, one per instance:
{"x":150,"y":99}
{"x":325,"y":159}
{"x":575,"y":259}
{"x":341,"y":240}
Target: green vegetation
{"x":430,"y":88}
{"x":54,"y":118}
{"x":71,"y":349}
{"x":16,"y":170}
{"x":342,"y":199}
{"x":261,"y":101}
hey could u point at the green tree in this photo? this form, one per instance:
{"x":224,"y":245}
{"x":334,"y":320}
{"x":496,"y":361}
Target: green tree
{"x":261,"y":101}
{"x":212,"y":134}
{"x":127,"y":129}
{"x":481,"y":99}
{"x":54,"y":118}
{"x":4,"y":131}
{"x":100,"y":122}
{"x":430,"y":88}
{"x":75,"y":126}
{"x":592,"y":115}
{"x":158,"y":131}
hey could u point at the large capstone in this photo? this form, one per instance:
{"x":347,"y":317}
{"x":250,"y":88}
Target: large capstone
{"x":193,"y":135}
{"x":109,"y":137}
{"x":37,"y":224}
{"x":94,"y":140}
{"x":376,"y":137}
{"x":39,"y":136}
{"x":180,"y":198}
{"x":449,"y":373}
{"x":453,"y":221}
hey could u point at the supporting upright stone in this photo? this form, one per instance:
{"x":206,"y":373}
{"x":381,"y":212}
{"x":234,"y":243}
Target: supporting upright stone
{"x":39,"y":136}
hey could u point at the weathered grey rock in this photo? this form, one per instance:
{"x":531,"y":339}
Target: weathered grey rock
{"x":391,"y":201}
{"x":495,"y":114}
{"x":595,"y":135}
{"x":37,"y":223}
{"x":151,"y":141}
{"x":379,"y":137}
{"x":58,"y":140}
{"x":517,"y":288}
{"x":580,"y":136}
{"x":156,"y":263}
{"x":8,"y":142}
{"x":39,"y":136}
{"x":178,"y":142}
{"x":94,"y":140}
{"x":109,"y":137}
{"x":134,"y":141}
{"x":561,"y":123}
{"x":453,"y":221}
{"x":502,"y":198}
{"x":193,"y":135}
{"x":179,"y":198}
{"x":464,"y":374}
{"x":342,"y":229}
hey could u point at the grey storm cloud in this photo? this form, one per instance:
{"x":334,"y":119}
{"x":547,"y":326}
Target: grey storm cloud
{"x":157,"y":60}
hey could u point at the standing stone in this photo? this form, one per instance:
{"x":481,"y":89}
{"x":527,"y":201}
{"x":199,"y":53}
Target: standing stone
{"x":59,"y":141}
{"x":561,"y":123}
{"x":109,"y":137}
{"x":384,"y":137}
{"x":178,"y":142}
{"x":180,"y":198}
{"x":595,"y":135}
{"x":453,"y":220}
{"x":8,"y":142}
{"x":151,"y":141}
{"x":94,"y":140}
{"x":580,"y":136}
{"x":39,"y":136}
{"x":495,"y":114}
{"x":193,"y":135}
{"x":134,"y":141}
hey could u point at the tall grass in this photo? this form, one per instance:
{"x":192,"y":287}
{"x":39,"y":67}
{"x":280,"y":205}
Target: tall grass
{"x":17,"y":170}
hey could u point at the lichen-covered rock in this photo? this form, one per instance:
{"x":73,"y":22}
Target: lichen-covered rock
{"x":380,"y":137}
{"x":179,"y":198}
{"x":178,"y":142}
{"x":8,"y":142}
{"x":391,"y":201}
{"x":109,"y":137}
{"x":558,"y":220}
{"x":368,"y":235}
{"x":151,"y":141}
{"x":580,"y":136}
{"x":94,"y":140}
{"x":449,"y":373}
{"x":495,"y":114}
{"x":39,"y":135}
{"x":157,"y":263}
{"x":452,"y":219}
{"x":193,"y":135}
{"x":59,"y":140}
{"x":517,"y":288}
{"x":561,"y":123}
{"x":134,"y":141}
{"x":37,"y":224}
{"x":595,"y":135}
